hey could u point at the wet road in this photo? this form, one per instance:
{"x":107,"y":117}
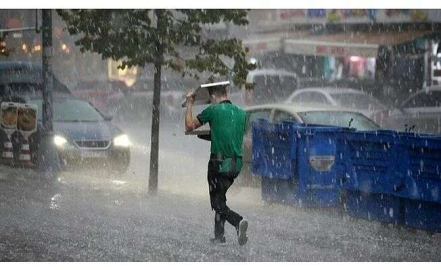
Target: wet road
{"x":97,"y":217}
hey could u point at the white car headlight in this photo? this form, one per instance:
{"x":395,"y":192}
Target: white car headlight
{"x":122,"y":140}
{"x":59,"y":141}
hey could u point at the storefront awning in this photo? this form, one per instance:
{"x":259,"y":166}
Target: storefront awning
{"x":259,"y":46}
{"x":348,"y":44}
{"x":266,"y":43}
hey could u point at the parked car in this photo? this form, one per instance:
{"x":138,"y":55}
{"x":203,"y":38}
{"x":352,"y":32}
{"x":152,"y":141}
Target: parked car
{"x":84,"y":137}
{"x":421,"y":113}
{"x":270,"y":85}
{"x":25,"y":78}
{"x":350,"y":99}
{"x":277,"y":113}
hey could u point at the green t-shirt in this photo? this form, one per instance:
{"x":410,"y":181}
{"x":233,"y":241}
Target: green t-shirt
{"x":227,"y":125}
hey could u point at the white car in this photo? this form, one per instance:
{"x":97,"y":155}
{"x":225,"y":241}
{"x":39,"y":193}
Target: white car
{"x":270,"y":85}
{"x":277,"y":113}
{"x":421,"y":113}
{"x":351,"y":99}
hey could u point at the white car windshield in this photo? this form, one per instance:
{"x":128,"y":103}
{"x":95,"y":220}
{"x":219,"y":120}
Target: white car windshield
{"x":422,"y":100}
{"x":357,"y":101}
{"x":341,"y":119}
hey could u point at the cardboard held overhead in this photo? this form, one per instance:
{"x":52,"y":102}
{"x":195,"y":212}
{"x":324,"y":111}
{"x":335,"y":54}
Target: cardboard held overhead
{"x":202,"y":97}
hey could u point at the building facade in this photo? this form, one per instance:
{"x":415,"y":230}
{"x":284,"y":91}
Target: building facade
{"x":390,"y":48}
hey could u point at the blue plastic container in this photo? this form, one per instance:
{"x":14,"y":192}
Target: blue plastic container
{"x":372,"y":180}
{"x":422,"y":215}
{"x":387,"y":176}
{"x":274,"y":150}
{"x":320,"y":169}
{"x":420,"y":165}
{"x":305,"y":158}
{"x":372,"y":161}
{"x":371,"y":206}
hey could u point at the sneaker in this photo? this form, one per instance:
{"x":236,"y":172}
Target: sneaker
{"x":242,"y":232}
{"x":218,"y":240}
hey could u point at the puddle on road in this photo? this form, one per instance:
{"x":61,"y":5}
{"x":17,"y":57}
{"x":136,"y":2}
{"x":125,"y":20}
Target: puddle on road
{"x":119,"y":183}
{"x":55,"y":202}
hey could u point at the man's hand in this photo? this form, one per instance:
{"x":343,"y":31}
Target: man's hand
{"x":190,"y":122}
{"x":190,"y":98}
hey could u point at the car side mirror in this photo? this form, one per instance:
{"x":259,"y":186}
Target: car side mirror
{"x":108,"y":117}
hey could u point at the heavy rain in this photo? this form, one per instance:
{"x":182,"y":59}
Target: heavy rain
{"x":341,"y":145}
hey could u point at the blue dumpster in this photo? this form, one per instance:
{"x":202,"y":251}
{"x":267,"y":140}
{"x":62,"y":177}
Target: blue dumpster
{"x":298,"y":163}
{"x":373,"y":206}
{"x":372,"y":180}
{"x":371,"y":160}
{"x":422,"y":215}
{"x":387,"y":176}
{"x":421,"y":165}
{"x":274,"y":150}
{"x":320,"y":168}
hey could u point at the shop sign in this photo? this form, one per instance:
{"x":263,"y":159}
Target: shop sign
{"x":263,"y":45}
{"x":333,"y":50}
{"x":289,"y":13}
{"x":320,"y":48}
{"x":336,"y":15}
{"x":305,"y":16}
{"x":316,"y":13}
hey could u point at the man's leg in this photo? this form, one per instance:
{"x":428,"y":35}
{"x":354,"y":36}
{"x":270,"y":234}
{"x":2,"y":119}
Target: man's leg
{"x":219,"y":226}
{"x":220,"y":202}
{"x":219,"y":185}
{"x":219,"y":222}
{"x":240,"y":224}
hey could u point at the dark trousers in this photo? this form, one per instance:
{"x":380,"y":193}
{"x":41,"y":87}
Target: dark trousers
{"x":218,"y":184}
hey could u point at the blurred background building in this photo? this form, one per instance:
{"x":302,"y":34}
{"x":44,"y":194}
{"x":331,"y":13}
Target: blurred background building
{"x":375,"y":48}
{"x":380,"y":49}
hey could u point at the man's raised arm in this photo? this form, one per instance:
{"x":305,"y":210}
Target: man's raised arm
{"x":190,"y":122}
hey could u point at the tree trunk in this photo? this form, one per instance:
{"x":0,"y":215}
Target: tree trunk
{"x":47,"y":70}
{"x":154,"y":147}
{"x":48,"y":160}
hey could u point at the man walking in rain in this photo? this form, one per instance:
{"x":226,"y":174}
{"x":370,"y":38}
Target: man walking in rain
{"x":227,"y":124}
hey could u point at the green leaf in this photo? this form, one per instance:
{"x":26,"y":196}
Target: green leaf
{"x":137,"y":38}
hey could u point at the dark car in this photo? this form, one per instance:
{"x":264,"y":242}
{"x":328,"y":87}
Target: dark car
{"x":420,"y":113}
{"x":25,"y":78}
{"x":85,"y":137}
